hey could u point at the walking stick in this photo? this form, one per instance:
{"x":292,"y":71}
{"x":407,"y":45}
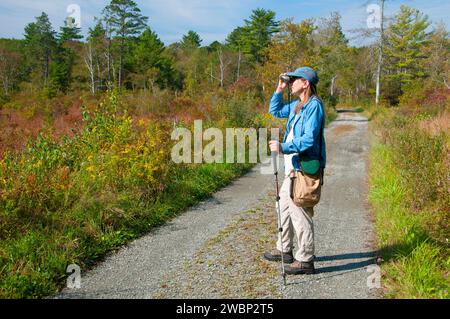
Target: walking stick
{"x":277,"y":203}
{"x":280,"y":228}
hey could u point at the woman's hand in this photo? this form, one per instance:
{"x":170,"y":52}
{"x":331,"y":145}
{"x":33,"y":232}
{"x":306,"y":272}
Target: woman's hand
{"x":281,"y":86}
{"x":275,"y":146}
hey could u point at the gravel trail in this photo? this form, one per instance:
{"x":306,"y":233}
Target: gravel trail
{"x":214,"y":250}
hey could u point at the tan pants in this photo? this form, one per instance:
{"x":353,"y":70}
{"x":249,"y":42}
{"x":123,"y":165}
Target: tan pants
{"x":298,"y":219}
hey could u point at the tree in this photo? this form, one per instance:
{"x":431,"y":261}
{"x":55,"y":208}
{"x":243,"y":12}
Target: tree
{"x":125,"y":20}
{"x":437,"y":53}
{"x":332,"y":56}
{"x":191,"y":60}
{"x":40,"y":43}
{"x":291,"y":47}
{"x":356,"y":79}
{"x":380,"y":55}
{"x":69,"y":32}
{"x":214,"y":46}
{"x":261,"y":26}
{"x":10,"y":63}
{"x":191,"y":40}
{"x":405,"y":38}
{"x":96,"y":57}
{"x":377,"y":30}
{"x":149,"y":61}
{"x":90,"y":61}
{"x":236,"y":41}
{"x":64,"y":57}
{"x":60,"y":71}
{"x":256,"y":35}
{"x":223,"y":58}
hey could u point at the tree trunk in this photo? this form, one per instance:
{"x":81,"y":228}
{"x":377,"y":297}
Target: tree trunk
{"x":380,"y":55}
{"x":113,"y":69}
{"x":108,"y":55}
{"x":239,"y":65}
{"x":333,"y":81}
{"x":89,"y":61}
{"x":211,"y":74}
{"x":46,"y":66}
{"x":121,"y":61}
{"x":222,"y":67}
{"x":99,"y":74}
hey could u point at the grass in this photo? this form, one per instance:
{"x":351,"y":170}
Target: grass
{"x":72,"y":202}
{"x":34,"y":265}
{"x":415,"y":265}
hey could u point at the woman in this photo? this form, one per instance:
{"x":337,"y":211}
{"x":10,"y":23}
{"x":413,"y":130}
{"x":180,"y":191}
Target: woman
{"x":304,"y":134}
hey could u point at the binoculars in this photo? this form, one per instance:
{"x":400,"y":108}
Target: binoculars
{"x":285,"y":78}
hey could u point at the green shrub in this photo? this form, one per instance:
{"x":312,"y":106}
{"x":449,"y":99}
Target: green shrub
{"x":420,"y":159}
{"x":409,"y":192}
{"x":74,"y":200}
{"x":239,"y":110}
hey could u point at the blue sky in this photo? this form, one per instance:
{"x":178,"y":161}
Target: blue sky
{"x":212,"y":19}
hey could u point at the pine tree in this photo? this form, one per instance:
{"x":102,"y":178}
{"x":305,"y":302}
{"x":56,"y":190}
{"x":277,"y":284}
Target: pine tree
{"x":61,"y":71}
{"x":64,"y":58}
{"x":236,"y":42}
{"x":236,"y":39}
{"x":405,"y":38}
{"x":261,"y":26}
{"x":191,"y":40}
{"x":147,"y":58}
{"x":214,"y":46}
{"x":40,"y":43}
{"x":255,"y":36}
{"x":69,"y":32}
{"x":124,"y":19}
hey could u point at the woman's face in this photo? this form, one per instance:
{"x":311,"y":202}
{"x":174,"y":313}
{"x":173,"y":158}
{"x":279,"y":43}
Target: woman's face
{"x":299,"y":86}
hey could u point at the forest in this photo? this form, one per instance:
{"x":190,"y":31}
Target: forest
{"x":85,"y":123}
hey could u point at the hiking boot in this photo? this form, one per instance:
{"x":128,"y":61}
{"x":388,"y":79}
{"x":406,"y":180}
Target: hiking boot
{"x":275,"y":255}
{"x":300,"y":268}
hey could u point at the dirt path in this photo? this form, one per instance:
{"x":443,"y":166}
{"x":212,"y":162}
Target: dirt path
{"x":214,"y":250}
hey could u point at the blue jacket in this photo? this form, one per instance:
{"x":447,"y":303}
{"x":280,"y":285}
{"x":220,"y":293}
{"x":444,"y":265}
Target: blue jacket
{"x":307,"y":138}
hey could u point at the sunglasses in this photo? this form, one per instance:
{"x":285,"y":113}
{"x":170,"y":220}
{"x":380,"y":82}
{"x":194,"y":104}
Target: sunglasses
{"x":293,"y":78}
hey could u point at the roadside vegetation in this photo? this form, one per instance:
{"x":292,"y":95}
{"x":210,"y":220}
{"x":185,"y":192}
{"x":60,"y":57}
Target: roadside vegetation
{"x":410,"y":161}
{"x":409,"y":191}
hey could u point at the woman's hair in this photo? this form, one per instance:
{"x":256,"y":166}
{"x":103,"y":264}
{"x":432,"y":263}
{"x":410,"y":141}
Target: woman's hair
{"x":312,"y":91}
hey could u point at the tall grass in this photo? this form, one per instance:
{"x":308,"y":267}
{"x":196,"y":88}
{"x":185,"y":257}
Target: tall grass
{"x":70,"y":202}
{"x":409,"y":192}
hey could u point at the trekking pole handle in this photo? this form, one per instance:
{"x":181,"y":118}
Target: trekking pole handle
{"x":274,"y":161}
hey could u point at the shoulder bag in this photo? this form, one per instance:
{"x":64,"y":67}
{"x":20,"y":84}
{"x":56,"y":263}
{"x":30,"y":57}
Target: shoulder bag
{"x":306,"y":185}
